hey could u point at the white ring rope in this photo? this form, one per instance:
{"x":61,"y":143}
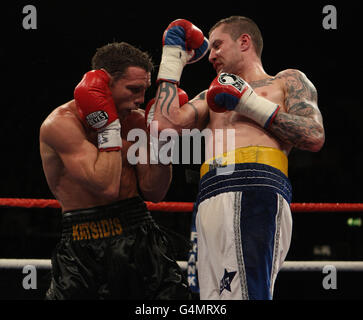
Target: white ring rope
{"x":320,"y":265}
{"x":21,"y":263}
{"x":301,"y":266}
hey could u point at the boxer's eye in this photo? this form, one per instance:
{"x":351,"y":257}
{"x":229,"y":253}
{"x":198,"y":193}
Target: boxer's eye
{"x":216,"y":44}
{"x":135,"y":89}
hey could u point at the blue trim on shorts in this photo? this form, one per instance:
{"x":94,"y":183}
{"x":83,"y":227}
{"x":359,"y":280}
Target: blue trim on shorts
{"x":258,"y":226}
{"x":243,"y":177}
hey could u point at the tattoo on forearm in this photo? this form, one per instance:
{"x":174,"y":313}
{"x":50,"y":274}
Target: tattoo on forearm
{"x":298,"y":128}
{"x":167,"y":94}
{"x":302,"y":126}
{"x":189,"y":117}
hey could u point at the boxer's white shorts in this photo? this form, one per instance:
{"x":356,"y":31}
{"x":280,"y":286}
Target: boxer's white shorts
{"x":244,"y":227}
{"x":224,"y":270}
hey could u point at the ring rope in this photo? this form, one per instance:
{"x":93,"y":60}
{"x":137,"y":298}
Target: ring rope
{"x":292,"y":266}
{"x":186,"y":206}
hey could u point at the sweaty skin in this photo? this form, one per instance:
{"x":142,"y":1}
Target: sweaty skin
{"x":297,"y":124}
{"x":78,"y":174}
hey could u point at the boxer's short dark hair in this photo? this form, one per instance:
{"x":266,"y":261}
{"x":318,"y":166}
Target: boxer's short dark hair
{"x":116,"y":57}
{"x":237,"y":25}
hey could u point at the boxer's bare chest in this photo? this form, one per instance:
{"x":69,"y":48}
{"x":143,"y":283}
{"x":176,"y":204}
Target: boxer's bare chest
{"x":246,"y":131}
{"x":271,"y":88}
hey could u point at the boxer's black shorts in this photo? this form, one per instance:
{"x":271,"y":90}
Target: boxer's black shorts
{"x":115,"y":252}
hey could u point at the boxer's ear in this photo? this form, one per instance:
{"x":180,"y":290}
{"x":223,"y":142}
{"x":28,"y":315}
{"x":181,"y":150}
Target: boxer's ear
{"x":244,"y":41}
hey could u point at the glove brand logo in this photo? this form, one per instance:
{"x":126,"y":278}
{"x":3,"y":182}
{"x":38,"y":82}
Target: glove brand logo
{"x":97,"y":119}
{"x":232,"y":80}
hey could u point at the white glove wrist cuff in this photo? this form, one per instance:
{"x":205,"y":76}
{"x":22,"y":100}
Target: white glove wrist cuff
{"x":257,"y":108}
{"x":109,"y":138}
{"x":173,"y":60}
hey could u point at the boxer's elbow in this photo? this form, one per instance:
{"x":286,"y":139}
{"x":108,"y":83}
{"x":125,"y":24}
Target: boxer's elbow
{"x":160,"y":124}
{"x":317,"y":140}
{"x":174,"y":120}
{"x":319,"y":144}
{"x":180,"y":120}
{"x":170,"y":129}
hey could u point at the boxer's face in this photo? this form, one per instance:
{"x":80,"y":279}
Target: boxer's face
{"x":128,"y":92}
{"x":225,"y":53}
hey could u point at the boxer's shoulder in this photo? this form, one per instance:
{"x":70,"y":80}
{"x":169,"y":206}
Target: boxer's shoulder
{"x":282,"y":78}
{"x":297,"y":85}
{"x":293,"y":78}
{"x":288,"y":72}
{"x":62,"y":121}
{"x":66,"y":111}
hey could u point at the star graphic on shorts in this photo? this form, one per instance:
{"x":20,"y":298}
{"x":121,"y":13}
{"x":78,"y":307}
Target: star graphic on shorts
{"x":226,"y":281}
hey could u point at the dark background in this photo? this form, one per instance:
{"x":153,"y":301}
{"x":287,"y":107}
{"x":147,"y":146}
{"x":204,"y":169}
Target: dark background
{"x":40,"y":68}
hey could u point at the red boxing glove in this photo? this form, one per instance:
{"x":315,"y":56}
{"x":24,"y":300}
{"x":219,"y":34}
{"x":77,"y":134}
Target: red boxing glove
{"x":230,"y":92}
{"x":150,"y":107}
{"x":183,"y":43}
{"x":183,"y":33}
{"x":94,"y":100}
{"x":97,"y":109}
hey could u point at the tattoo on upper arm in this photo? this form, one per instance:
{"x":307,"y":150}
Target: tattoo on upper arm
{"x":298,"y":89}
{"x":195,"y":112}
{"x":201,"y":96}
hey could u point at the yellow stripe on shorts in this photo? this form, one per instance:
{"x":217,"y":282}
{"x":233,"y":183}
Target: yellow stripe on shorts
{"x":256,"y":154}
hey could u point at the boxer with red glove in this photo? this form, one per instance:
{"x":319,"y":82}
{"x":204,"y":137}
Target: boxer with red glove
{"x":97,"y":109}
{"x":230,"y":92}
{"x":183,"y":43}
